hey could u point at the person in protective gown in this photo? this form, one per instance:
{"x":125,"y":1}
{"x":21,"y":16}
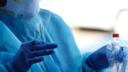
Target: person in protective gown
{"x":38,"y":40}
{"x":38,"y":31}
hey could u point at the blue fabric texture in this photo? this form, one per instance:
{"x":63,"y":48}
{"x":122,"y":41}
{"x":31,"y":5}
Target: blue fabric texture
{"x":9,"y":46}
{"x":48,"y":28}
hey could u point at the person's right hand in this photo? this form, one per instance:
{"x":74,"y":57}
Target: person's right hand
{"x":30,"y":53}
{"x":122,"y":54}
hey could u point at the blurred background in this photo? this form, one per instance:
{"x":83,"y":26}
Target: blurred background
{"x":92,"y":21}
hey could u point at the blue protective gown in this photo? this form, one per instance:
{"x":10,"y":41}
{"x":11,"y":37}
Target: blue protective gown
{"x":46,"y":27}
{"x":9,"y":44}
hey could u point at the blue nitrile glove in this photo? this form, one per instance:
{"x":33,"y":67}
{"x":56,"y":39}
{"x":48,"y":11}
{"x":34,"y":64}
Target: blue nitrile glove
{"x":30,"y":53}
{"x":98,"y":60}
{"x":121,"y":56}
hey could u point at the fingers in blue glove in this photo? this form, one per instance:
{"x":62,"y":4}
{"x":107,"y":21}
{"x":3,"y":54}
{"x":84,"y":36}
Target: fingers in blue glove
{"x":41,"y":53}
{"x":30,"y":53}
{"x":44,"y":46}
{"x":121,"y":56}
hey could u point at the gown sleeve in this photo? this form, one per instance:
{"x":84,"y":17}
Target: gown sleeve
{"x":9,"y":45}
{"x":67,"y":55}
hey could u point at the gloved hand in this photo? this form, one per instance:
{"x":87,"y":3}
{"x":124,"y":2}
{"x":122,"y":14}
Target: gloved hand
{"x":99,"y":59}
{"x":30,"y":53}
{"x":122,"y":54}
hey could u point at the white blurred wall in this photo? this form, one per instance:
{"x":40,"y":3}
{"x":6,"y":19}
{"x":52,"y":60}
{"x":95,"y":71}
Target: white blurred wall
{"x":86,"y":13}
{"x":99,"y":14}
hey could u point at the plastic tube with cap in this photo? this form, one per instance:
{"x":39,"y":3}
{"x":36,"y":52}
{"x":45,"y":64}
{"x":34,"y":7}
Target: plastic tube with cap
{"x":114,"y":47}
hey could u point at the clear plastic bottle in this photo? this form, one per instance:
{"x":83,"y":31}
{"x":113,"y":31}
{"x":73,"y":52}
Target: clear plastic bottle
{"x":113,"y":48}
